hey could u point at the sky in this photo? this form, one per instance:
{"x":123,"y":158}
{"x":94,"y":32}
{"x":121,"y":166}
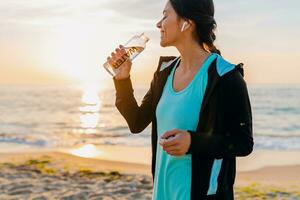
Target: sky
{"x":66,"y":42}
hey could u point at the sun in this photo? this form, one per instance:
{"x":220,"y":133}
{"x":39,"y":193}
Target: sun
{"x":87,"y":151}
{"x":77,"y":51}
{"x":73,"y":54}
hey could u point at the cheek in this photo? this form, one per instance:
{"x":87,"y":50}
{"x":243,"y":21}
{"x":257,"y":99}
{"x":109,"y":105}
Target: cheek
{"x":169,"y":26}
{"x":166,"y":28}
{"x":163,"y":26}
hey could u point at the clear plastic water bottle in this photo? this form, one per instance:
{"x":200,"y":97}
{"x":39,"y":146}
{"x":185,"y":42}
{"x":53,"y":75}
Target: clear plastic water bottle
{"x":133,"y":48}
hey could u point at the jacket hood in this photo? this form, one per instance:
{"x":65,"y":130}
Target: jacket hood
{"x":223,"y":66}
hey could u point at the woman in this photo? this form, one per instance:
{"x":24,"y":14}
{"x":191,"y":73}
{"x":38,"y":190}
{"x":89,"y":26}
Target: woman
{"x":198,"y":105}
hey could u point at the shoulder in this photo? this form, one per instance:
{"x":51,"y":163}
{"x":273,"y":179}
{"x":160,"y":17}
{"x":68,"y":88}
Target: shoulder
{"x":231,"y":75}
{"x":233,"y":84}
{"x":223,"y":66}
{"x":227,"y":70}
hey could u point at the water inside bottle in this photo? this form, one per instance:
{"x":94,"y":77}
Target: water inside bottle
{"x":131,"y":53}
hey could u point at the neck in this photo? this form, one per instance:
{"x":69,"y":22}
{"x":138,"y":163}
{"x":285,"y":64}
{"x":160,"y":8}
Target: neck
{"x":191,"y":53}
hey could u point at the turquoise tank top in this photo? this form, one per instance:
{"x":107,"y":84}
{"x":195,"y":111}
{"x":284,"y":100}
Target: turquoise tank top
{"x":178,"y":110}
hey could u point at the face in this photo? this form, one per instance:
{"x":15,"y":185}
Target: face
{"x":169,"y":27}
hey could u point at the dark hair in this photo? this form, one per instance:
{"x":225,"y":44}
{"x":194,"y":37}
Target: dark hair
{"x":201,"y":12}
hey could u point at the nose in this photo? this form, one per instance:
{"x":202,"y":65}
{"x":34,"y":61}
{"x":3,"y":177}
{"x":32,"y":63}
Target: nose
{"x":158,"y":25}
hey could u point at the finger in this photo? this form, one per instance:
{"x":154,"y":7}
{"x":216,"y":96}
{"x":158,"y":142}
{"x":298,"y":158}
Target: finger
{"x":113,"y":57}
{"x":122,"y":48}
{"x":161,"y":142}
{"x":118,"y":52}
{"x":112,"y":54}
{"x":125,"y":53}
{"x":171,"y":148}
{"x":170,"y":133}
{"x":173,"y":153}
{"x":171,"y":142}
{"x":110,"y":60}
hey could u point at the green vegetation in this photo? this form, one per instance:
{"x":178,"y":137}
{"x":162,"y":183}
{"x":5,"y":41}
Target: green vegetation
{"x":258,"y":192}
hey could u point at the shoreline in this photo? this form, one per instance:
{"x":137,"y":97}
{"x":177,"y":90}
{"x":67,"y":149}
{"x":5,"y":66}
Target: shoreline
{"x":258,"y":159}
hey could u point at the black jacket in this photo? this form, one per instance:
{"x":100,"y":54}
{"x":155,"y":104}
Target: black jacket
{"x":224,"y":129}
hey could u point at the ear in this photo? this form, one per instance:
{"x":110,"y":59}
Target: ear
{"x":186,"y":24}
{"x":183,"y":26}
{"x":190,"y":23}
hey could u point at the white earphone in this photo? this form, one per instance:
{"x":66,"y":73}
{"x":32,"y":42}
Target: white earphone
{"x":183,"y":26}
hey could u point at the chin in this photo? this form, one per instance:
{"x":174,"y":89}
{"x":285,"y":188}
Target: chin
{"x":163,"y":44}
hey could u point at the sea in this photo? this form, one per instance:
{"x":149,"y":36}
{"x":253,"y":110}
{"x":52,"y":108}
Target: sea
{"x":68,"y":116}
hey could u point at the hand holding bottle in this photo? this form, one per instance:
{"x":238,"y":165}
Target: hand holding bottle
{"x":120,"y":55}
{"x":119,"y":64}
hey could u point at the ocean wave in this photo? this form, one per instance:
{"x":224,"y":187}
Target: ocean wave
{"x":71,"y":140}
{"x":277,"y":143}
{"x":18,"y":139}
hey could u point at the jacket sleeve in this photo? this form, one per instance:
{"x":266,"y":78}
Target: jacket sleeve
{"x":237,"y":140}
{"x":137,"y":117}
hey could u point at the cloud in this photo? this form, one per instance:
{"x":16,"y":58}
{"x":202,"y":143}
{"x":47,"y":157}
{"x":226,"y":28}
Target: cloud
{"x":246,"y":29}
{"x":137,"y":9}
{"x":18,"y":13}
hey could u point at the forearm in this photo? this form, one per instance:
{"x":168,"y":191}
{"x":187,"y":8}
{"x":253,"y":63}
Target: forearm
{"x":218,"y":145}
{"x":137,"y":117}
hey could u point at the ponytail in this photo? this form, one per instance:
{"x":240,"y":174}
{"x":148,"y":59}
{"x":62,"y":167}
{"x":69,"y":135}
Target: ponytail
{"x":201,"y":12}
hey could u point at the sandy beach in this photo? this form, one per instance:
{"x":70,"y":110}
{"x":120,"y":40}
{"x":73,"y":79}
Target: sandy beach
{"x":61,"y":175}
